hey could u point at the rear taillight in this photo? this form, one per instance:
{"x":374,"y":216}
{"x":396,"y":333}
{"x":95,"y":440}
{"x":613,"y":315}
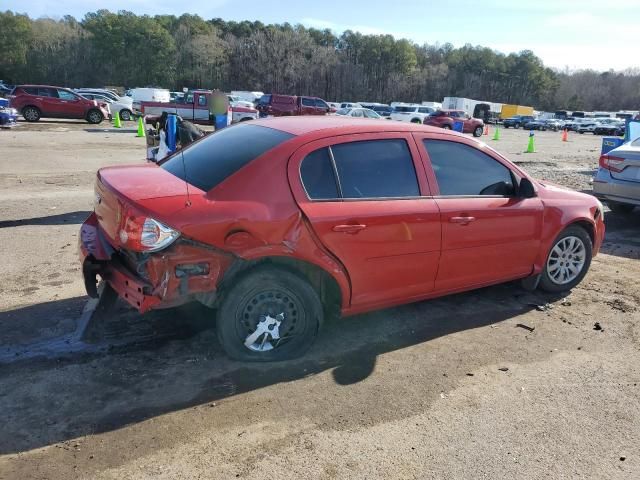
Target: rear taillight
{"x":145,"y":234}
{"x":612,"y":163}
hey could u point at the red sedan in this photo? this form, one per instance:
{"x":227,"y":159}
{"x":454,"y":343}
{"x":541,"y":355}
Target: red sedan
{"x":279,"y":222}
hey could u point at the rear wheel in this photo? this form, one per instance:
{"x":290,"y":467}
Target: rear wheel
{"x":516,"y":126}
{"x":269,"y":314}
{"x":416,"y":120}
{"x":94,"y":117}
{"x":568,"y":260}
{"x":620,"y":207}
{"x":31,"y":114}
{"x":446,"y":127}
{"x":477,"y":132}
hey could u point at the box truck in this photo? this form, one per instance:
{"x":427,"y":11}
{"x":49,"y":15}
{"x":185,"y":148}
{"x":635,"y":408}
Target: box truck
{"x":509,"y":111}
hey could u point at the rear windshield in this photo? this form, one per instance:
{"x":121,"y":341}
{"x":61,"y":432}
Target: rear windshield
{"x":217,"y":156}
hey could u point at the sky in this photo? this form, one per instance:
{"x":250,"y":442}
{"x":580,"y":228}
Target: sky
{"x":572,"y":34}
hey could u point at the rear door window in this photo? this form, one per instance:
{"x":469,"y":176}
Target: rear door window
{"x":65,"y":95}
{"x":318,"y":176}
{"x":464,"y":170}
{"x":47,"y":92}
{"x":375,"y":169}
{"x":209,"y":161}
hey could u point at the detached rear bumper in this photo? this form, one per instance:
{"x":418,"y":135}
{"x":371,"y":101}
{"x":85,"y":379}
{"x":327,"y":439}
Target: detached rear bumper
{"x":181,"y":273}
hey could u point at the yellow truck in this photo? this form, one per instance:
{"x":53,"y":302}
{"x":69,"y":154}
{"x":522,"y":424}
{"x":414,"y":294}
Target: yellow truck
{"x":509,"y":111}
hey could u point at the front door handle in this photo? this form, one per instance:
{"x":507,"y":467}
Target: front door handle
{"x":462,"y":220}
{"x":353,"y":228}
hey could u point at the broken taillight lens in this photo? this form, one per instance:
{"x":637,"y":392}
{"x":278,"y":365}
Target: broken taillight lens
{"x":145,"y":234}
{"x":609,"y":162}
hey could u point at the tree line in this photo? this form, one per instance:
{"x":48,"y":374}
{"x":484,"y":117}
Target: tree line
{"x":125,"y":49}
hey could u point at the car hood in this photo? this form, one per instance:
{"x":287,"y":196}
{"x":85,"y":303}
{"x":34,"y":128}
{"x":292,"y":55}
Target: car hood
{"x":551,"y":191}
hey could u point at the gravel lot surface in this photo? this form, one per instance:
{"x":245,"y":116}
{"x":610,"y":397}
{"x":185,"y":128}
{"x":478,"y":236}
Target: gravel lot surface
{"x":450,"y":388}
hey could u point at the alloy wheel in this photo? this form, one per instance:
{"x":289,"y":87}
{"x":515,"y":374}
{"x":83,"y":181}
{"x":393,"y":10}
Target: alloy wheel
{"x":566,"y":260}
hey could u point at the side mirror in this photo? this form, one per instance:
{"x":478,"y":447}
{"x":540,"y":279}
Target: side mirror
{"x":526,"y":189}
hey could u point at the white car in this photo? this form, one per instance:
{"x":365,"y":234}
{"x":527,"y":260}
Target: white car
{"x":350,"y":105}
{"x":124,"y":109}
{"x":359,"y":113}
{"x":413,"y":113}
{"x":107,"y":93}
{"x":587,"y":127}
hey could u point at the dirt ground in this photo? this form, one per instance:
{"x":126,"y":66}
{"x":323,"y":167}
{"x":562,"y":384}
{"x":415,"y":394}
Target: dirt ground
{"x":451,"y":388}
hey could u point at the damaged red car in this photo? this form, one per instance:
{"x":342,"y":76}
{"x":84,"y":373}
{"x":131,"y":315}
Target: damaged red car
{"x":280,"y":223}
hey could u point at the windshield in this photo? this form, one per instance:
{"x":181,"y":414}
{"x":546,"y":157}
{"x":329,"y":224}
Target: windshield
{"x":265,"y":100}
{"x":208,"y":162}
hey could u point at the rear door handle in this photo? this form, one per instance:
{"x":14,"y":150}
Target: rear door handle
{"x":355,"y":228}
{"x":462,"y":220}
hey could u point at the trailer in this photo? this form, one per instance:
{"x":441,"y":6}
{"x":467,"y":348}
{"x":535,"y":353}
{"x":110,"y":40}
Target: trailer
{"x":475,"y":108}
{"x":508,"y":111}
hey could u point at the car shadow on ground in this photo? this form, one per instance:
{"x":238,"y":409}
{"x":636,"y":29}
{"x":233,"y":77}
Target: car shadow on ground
{"x":69,"y":218}
{"x":111,"y":130}
{"x":622,"y":236}
{"x":178,"y":364}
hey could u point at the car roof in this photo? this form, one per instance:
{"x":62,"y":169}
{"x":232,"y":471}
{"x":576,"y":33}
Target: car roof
{"x":42,"y":86}
{"x":339,"y":125}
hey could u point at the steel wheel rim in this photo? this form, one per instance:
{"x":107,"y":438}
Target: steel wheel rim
{"x":566,"y":260}
{"x":277,"y":313}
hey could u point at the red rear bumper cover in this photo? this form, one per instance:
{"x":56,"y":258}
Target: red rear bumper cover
{"x":168,"y":281}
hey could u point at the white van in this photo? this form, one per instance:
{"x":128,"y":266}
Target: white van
{"x":149,"y":95}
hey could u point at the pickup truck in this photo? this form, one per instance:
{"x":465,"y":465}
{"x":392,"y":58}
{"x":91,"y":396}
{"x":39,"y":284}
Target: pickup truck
{"x":194,"y":106}
{"x":288,"y":105}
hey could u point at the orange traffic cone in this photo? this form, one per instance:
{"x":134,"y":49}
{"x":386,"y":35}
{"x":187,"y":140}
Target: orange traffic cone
{"x":565,"y":135}
{"x":486,"y":129}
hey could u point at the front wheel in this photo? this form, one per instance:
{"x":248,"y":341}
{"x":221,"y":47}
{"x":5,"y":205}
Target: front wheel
{"x":516,"y":126}
{"x":125,"y":115}
{"x":31,"y":114}
{"x":568,"y":260}
{"x":416,"y":120}
{"x":478,"y":131}
{"x":270,"y":314}
{"x":446,"y":127}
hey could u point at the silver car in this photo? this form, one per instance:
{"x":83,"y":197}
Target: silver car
{"x":617,"y":180}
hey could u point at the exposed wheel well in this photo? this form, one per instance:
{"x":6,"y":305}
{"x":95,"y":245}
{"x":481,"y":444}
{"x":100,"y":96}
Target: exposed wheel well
{"x":322,"y":282}
{"x":588,"y":227}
